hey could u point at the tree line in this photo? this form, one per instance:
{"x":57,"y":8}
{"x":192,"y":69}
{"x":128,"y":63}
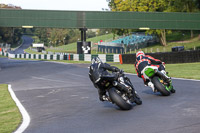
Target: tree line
{"x":56,"y":37}
{"x":10,"y":35}
{"x":48,"y":36}
{"x":154,"y":6}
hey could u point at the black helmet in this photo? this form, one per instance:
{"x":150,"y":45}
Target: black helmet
{"x":96,"y":60}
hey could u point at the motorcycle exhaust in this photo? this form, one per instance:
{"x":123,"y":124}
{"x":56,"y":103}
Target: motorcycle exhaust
{"x":120,"y":86}
{"x":163,"y":76}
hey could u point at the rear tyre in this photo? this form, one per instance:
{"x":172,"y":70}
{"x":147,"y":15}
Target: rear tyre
{"x":159,"y":86}
{"x":118,"y":100}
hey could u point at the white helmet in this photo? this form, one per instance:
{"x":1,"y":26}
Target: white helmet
{"x":139,"y":53}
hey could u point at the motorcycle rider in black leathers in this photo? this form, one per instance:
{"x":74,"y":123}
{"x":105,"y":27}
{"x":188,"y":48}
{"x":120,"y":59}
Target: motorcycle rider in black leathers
{"x":98,"y":71}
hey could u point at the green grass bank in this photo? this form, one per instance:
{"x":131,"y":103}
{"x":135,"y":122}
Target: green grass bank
{"x":10,"y":117}
{"x":183,"y":70}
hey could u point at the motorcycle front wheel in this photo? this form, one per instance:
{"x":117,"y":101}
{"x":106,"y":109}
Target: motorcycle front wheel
{"x":159,"y":86}
{"x":119,"y":99}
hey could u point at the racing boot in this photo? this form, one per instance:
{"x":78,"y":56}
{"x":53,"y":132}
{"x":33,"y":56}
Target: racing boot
{"x":151,"y":85}
{"x":102,"y":95}
{"x":104,"y":98}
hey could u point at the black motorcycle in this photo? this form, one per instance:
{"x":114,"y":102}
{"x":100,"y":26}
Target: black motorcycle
{"x":123,"y":98}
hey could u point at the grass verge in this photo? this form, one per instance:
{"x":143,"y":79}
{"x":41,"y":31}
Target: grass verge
{"x":10,"y":117}
{"x":72,"y":47}
{"x":183,"y":70}
{"x":190,"y":44}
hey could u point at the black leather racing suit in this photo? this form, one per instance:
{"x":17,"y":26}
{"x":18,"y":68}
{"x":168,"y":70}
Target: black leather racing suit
{"x":99,"y":71}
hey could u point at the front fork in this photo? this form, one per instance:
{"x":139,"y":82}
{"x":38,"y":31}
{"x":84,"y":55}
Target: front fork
{"x":168,"y":83}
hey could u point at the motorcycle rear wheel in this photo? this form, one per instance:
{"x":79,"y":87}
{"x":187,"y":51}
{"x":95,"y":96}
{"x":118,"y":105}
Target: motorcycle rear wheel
{"x":159,"y":86}
{"x":118,"y":100}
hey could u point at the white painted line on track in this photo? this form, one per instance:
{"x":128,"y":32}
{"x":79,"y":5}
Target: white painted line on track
{"x":186,"y":79}
{"x":48,"y":79}
{"x":77,"y":75}
{"x":73,"y":95}
{"x":25,"y":115}
{"x":84,"y":97}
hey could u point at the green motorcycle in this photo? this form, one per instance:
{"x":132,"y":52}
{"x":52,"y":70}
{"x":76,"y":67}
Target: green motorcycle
{"x":162,"y":83}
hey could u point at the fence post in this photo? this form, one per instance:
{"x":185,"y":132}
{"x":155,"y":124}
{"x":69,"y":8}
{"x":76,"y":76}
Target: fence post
{"x":151,"y":50}
{"x":164,"y":49}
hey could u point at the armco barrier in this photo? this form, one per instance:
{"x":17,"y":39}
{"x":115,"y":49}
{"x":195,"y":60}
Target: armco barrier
{"x":81,"y":57}
{"x":75,"y":57}
{"x":102,"y":57}
{"x":109,"y":58}
{"x":116,"y":58}
{"x":87,"y":57}
{"x":168,"y":57}
{"x":94,"y":55}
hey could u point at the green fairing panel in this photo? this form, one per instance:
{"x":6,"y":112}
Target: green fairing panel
{"x":149,"y":72}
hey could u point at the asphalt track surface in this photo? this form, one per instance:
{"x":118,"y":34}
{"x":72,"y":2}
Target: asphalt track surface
{"x":27,"y":42}
{"x":61,"y":99}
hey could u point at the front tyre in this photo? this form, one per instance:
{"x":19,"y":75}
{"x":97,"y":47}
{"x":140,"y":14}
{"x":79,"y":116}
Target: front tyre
{"x":116,"y":97}
{"x":138,"y":101}
{"x":159,"y":86}
{"x":173,"y":90}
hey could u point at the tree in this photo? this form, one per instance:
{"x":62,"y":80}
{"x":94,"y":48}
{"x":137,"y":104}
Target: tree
{"x":197,"y":3}
{"x":184,"y":6}
{"x":63,"y":36}
{"x":103,"y":31}
{"x":137,"y":5}
{"x":91,"y":34}
{"x":155,"y":6}
{"x":10,"y":35}
{"x":9,"y":6}
{"x":142,"y":6}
